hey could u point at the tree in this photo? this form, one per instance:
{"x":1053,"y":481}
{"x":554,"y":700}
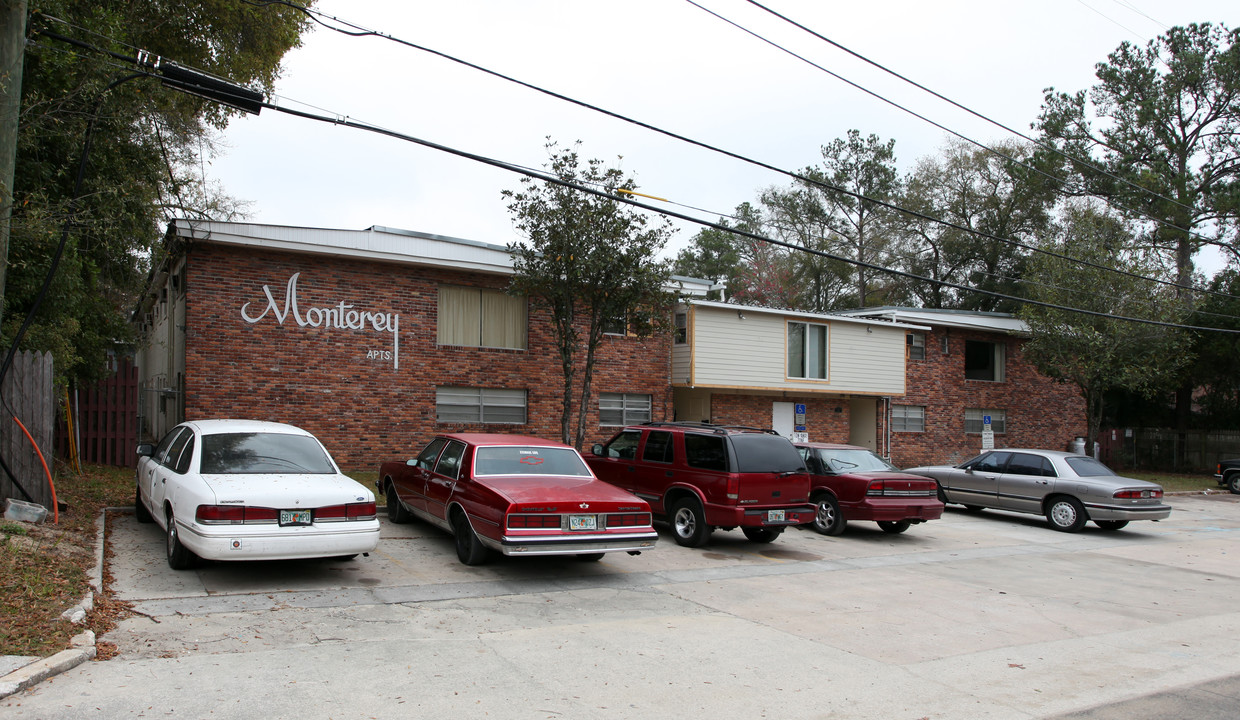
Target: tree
{"x":1216,"y":356}
{"x":147,"y":144}
{"x":980,"y":195}
{"x":718,"y":255}
{"x":590,"y":262}
{"x":1095,"y":352}
{"x":1159,"y":137}
{"x":852,"y":225}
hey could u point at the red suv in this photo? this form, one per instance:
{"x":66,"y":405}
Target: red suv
{"x":852,"y":483}
{"x":702,"y":476}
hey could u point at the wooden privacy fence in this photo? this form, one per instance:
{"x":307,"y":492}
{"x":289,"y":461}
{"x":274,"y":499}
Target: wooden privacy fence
{"x":105,"y":419}
{"x":29,"y":396}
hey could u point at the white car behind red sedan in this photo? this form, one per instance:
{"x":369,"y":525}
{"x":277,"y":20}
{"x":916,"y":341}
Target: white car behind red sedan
{"x":250,"y":490}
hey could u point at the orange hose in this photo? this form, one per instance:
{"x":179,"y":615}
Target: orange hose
{"x":50,"y":484}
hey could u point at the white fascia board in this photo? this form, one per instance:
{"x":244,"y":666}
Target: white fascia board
{"x":820,"y":317}
{"x":989,"y":322}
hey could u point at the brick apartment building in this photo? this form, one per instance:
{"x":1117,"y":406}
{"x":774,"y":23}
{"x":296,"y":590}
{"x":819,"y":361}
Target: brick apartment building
{"x":375,"y":340}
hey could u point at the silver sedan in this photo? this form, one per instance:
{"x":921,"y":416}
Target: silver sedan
{"x":1068,"y":489}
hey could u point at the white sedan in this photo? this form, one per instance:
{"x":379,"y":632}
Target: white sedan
{"x":249,"y":490}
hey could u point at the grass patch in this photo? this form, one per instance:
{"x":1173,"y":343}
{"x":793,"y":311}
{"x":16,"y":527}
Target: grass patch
{"x":45,"y":569}
{"x":1175,"y":482}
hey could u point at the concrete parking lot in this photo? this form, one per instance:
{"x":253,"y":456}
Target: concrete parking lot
{"x":972,"y":616}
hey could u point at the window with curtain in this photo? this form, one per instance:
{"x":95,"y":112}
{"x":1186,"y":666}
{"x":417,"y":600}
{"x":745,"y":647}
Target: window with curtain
{"x":479,"y":317}
{"x":807,"y":350}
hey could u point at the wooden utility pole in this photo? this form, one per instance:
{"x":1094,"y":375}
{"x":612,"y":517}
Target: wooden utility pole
{"x":12,"y":52}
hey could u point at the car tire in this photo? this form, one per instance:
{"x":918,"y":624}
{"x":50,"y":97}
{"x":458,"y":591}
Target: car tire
{"x":139,"y":508}
{"x":396,"y":510}
{"x":1111,"y":525}
{"x":688,"y":521}
{"x":1233,"y":483}
{"x":828,"y":520}
{"x":1066,"y":514}
{"x":179,"y":556}
{"x":590,"y":557}
{"x":469,"y":549}
{"x":761,"y":534}
{"x":895,"y":527}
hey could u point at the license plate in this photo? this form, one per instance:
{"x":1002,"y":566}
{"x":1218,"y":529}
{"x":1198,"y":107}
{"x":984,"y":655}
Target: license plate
{"x":775,"y":516}
{"x":582,"y":522}
{"x":294,"y":517}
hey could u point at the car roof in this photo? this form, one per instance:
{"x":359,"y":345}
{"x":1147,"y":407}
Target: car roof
{"x":495,"y":439}
{"x":691,"y":425}
{"x":829,"y":446}
{"x":1037,"y":451}
{"x":215,"y":426}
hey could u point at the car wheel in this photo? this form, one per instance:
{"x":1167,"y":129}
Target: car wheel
{"x":139,"y":508}
{"x":895,"y":527}
{"x":828,"y":519}
{"x":179,"y":556}
{"x":761,"y":534}
{"x":396,"y":511}
{"x":1233,"y":483}
{"x":689,"y":523}
{"x":1111,"y":524}
{"x":590,"y":557}
{"x":1066,"y":514}
{"x":469,"y":549}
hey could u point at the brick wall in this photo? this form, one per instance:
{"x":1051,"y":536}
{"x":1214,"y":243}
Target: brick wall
{"x":1041,"y":412}
{"x":340,"y":384}
{"x":823,"y":422}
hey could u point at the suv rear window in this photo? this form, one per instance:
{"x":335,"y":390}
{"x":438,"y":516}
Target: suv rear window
{"x":759,"y":452}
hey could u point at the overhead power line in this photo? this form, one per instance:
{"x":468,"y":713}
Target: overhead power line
{"x":359,"y":31}
{"x":629,"y":200}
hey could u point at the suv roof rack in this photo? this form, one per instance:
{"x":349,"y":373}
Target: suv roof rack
{"x":702,"y":425}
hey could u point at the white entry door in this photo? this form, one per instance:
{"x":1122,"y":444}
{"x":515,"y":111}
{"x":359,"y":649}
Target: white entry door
{"x":782,"y":418}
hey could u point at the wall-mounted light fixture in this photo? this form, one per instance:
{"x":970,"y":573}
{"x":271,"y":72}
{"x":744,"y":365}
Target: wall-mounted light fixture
{"x":740,"y":314}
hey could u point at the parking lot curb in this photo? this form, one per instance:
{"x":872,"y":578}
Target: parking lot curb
{"x":83,"y":649}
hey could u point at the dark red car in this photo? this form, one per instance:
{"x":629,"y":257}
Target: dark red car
{"x":852,"y":483}
{"x":515,"y":495}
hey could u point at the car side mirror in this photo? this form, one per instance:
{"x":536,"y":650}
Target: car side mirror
{"x":597,"y":449}
{"x":146,"y":450}
{"x":412,"y":462}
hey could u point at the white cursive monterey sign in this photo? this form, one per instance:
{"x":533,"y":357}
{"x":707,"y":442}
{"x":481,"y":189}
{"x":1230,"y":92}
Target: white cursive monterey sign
{"x":341,"y":315}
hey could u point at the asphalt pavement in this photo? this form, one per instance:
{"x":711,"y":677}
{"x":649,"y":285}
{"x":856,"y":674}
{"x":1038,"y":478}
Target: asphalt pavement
{"x":986,"y":615}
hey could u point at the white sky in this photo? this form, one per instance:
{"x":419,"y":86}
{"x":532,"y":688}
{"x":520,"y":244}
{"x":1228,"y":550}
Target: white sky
{"x":664,"y":62}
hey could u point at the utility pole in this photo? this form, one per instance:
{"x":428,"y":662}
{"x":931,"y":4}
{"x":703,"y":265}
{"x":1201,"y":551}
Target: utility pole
{"x":12,"y":52}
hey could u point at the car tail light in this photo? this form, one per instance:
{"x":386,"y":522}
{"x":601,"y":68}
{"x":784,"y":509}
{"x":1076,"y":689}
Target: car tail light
{"x":341,"y":513}
{"x":901,"y":488}
{"x":734,"y":487}
{"x":1138,"y":494}
{"x":235,"y":515}
{"x":533,"y":521}
{"x":628,"y":520}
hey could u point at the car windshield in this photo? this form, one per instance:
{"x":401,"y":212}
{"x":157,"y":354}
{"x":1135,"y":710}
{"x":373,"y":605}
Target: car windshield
{"x":843,"y":461}
{"x":1089,"y":467}
{"x":529,"y":460}
{"x":263,"y":453}
{"x":760,"y":452}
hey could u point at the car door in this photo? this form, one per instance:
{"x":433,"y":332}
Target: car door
{"x":978,"y":484}
{"x":172,"y":465}
{"x":655,"y":468}
{"x":412,"y":480}
{"x":441,"y":481}
{"x":617,"y":463}
{"x":1025,"y":482}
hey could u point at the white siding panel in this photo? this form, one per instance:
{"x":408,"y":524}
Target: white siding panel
{"x":749,"y":352}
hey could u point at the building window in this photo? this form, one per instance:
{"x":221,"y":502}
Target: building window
{"x":616,"y":326}
{"x":807,"y":350}
{"x":973,"y":420}
{"x":983,"y":360}
{"x":479,"y":405}
{"x":916,"y":345}
{"x":945,"y":344}
{"x":908,"y":418}
{"x":623,"y":409}
{"x":681,"y":334}
{"x":477,"y":317}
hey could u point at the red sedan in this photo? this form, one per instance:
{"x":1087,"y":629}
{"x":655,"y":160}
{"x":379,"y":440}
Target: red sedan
{"x":852,"y":483}
{"x":515,"y":495}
